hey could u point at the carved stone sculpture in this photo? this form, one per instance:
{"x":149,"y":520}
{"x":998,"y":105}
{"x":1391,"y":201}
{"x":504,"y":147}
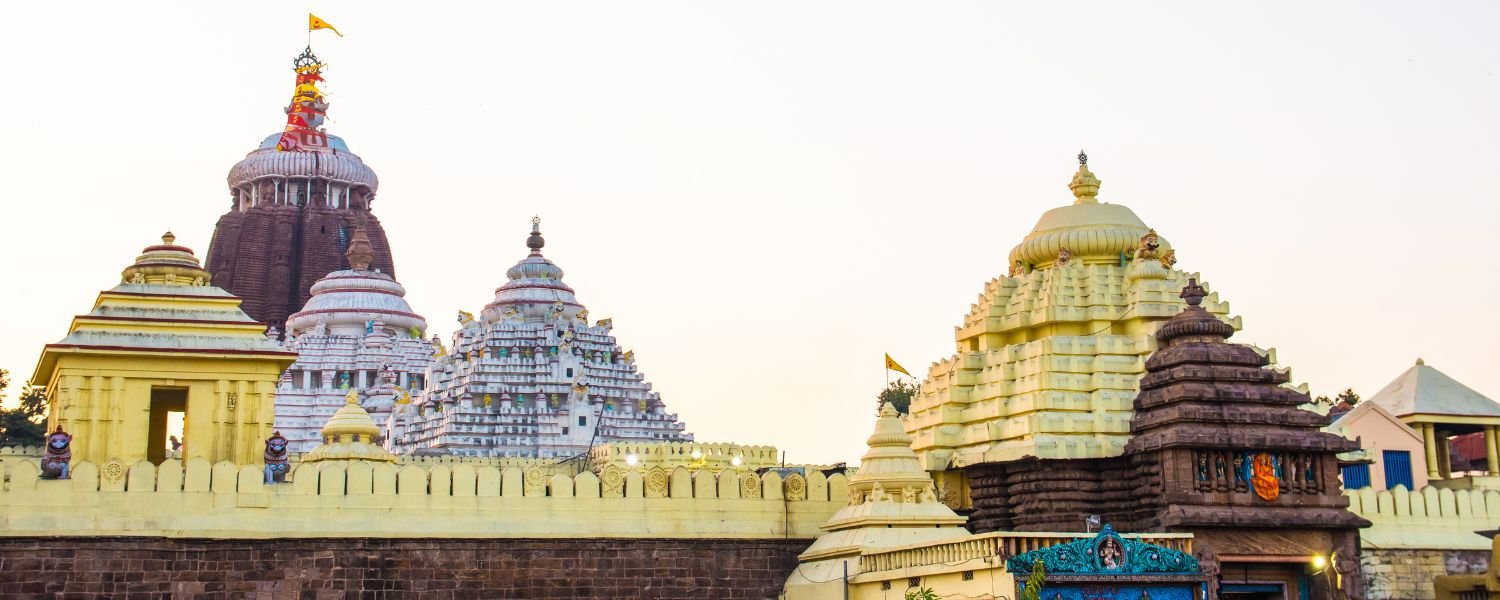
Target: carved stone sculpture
{"x":1148,"y":245}
{"x":59,"y":453}
{"x":276,"y":458}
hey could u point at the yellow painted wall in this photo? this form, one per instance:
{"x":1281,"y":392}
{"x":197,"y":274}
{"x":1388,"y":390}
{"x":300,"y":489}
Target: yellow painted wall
{"x":1430,"y":518}
{"x":104,"y":400}
{"x":366,"y":499}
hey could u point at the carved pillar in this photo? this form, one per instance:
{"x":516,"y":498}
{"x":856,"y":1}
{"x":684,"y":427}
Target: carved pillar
{"x":1429,"y":445}
{"x":1491,"y":455}
{"x":222,"y":418}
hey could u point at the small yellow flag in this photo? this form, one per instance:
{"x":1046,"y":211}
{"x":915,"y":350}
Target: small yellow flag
{"x":314,"y":24}
{"x":892,"y":365}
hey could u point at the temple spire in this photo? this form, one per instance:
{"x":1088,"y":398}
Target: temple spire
{"x":305,"y":113}
{"x":535,"y":242}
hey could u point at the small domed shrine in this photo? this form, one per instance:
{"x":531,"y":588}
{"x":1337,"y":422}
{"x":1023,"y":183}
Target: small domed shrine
{"x":892,"y":504}
{"x":163,"y":341}
{"x":356,"y":334}
{"x":295,"y":202}
{"x":350,"y":434}
{"x":532,"y":377}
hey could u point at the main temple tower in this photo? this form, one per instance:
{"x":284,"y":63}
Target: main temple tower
{"x":1050,"y":356}
{"x":294,"y":204}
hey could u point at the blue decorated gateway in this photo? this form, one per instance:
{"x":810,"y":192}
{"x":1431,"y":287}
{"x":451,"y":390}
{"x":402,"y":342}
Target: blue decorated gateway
{"x":1108,"y":566}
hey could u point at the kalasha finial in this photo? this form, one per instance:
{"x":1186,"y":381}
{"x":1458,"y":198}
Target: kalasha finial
{"x":359,"y":253}
{"x":167,"y":238}
{"x":535,"y":242}
{"x":1193,"y":293}
{"x":1085,"y":185}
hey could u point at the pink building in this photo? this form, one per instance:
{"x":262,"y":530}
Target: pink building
{"x":1391,"y":452}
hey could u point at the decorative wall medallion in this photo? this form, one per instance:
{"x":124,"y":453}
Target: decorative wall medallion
{"x":534,"y":481}
{"x":796,"y":487}
{"x":112,"y":471}
{"x":612,"y":479}
{"x":749,"y":485}
{"x":656,"y":483}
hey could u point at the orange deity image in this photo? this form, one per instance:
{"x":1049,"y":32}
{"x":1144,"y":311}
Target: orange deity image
{"x":1267,"y":486}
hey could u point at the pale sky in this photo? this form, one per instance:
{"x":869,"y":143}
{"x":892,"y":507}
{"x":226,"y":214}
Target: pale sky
{"x":768,"y":196}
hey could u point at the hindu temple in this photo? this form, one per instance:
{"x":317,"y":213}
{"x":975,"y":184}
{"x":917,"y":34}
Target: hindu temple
{"x":1049,"y":355}
{"x":532,"y":376}
{"x":1095,"y":435}
{"x":162,"y":341}
{"x":357,"y":333}
{"x":294,"y":203}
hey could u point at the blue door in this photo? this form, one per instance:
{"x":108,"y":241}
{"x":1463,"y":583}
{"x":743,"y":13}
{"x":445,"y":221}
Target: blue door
{"x":1397,"y":468}
{"x":1356,"y":476}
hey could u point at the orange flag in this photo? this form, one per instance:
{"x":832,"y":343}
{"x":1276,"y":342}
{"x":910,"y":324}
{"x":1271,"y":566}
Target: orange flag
{"x":891,"y":364}
{"x":314,"y":24}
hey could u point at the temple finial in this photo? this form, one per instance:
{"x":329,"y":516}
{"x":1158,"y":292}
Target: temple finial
{"x":307,"y":110}
{"x":1084,"y":185}
{"x":535,"y":242}
{"x":167,"y":238}
{"x":359,"y":253}
{"x":1193,"y":293}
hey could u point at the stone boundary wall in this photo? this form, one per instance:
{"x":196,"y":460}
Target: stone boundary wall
{"x":1429,"y":519}
{"x":383,"y":500}
{"x":1409,"y":574}
{"x":411,"y":568}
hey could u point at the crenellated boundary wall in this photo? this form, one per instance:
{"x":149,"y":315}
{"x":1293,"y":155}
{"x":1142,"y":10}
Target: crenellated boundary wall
{"x":1417,"y":536}
{"x":371,"y":499}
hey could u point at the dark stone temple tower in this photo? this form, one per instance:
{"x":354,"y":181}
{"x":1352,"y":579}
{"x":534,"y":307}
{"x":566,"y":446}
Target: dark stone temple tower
{"x":1220,"y":449}
{"x":294,"y":203}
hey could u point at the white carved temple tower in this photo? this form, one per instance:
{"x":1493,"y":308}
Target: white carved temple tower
{"x":355,"y":333}
{"x":532,"y":377}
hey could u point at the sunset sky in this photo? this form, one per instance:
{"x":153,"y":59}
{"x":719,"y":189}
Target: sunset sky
{"x":766,"y":197}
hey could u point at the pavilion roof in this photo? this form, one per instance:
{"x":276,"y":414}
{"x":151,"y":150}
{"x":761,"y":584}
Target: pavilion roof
{"x":1424,"y":390}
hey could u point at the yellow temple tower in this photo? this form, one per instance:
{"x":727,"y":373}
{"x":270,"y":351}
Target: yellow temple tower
{"x":163,"y":341}
{"x":1050,"y":356}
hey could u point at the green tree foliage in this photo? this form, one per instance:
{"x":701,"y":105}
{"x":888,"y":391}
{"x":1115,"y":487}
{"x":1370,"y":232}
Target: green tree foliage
{"x":925,"y":593}
{"x":1033,"y":589}
{"x":1347,"y":396}
{"x":899,"y":393}
{"x":25,"y":424}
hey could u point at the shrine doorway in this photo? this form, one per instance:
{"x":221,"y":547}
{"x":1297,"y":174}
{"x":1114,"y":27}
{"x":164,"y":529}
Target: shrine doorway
{"x":1268,"y":581}
{"x":167,"y":423}
{"x":1252,"y":591}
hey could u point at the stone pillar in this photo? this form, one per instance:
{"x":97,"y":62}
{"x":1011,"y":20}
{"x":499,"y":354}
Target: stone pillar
{"x":1492,"y":456}
{"x":1445,"y":464}
{"x":1429,"y":444}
